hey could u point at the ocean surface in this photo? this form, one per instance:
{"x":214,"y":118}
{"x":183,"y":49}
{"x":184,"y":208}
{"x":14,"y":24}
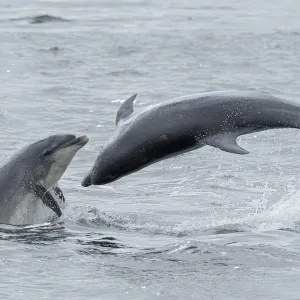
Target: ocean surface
{"x":204,"y":225}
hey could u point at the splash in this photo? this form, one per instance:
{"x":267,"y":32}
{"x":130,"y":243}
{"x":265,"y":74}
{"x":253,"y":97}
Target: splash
{"x":92,"y":217}
{"x":284,"y":214}
{"x":272,"y":211}
{"x":280,"y":211}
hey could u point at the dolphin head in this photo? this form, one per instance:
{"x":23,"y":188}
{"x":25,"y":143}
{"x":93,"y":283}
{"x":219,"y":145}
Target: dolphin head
{"x":121,"y":156}
{"x":104,"y":171}
{"x":51,"y":157}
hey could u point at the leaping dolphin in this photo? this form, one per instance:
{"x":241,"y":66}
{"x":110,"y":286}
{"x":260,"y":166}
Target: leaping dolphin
{"x":184,"y":124}
{"x":30,"y":177}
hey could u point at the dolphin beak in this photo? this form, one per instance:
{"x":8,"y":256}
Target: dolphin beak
{"x":86,"y":181}
{"x":80,"y":141}
{"x":83,"y":140}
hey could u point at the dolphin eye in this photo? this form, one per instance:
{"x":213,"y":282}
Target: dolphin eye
{"x":46,"y":152}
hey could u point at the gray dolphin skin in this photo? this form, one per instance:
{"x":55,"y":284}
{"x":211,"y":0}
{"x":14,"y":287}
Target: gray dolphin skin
{"x":29,"y":179}
{"x":184,"y":124}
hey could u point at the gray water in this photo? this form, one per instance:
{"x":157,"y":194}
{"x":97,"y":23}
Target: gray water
{"x":204,"y":225}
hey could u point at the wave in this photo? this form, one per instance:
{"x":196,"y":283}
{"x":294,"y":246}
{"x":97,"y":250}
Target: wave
{"x":125,"y":72}
{"x":41,"y":19}
{"x":54,"y":50}
{"x":92,"y":217}
{"x":40,"y":234}
{"x":88,"y":243}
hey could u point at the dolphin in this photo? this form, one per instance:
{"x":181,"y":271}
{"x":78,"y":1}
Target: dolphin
{"x":184,"y":124}
{"x":30,"y":178}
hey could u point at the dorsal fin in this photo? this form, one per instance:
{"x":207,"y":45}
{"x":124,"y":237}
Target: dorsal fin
{"x":126,"y":109}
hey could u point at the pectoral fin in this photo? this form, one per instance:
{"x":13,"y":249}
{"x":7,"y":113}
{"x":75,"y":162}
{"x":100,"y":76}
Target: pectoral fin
{"x":59,"y":193}
{"x":226,"y":142}
{"x":47,"y":198}
{"x":126,"y":109}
